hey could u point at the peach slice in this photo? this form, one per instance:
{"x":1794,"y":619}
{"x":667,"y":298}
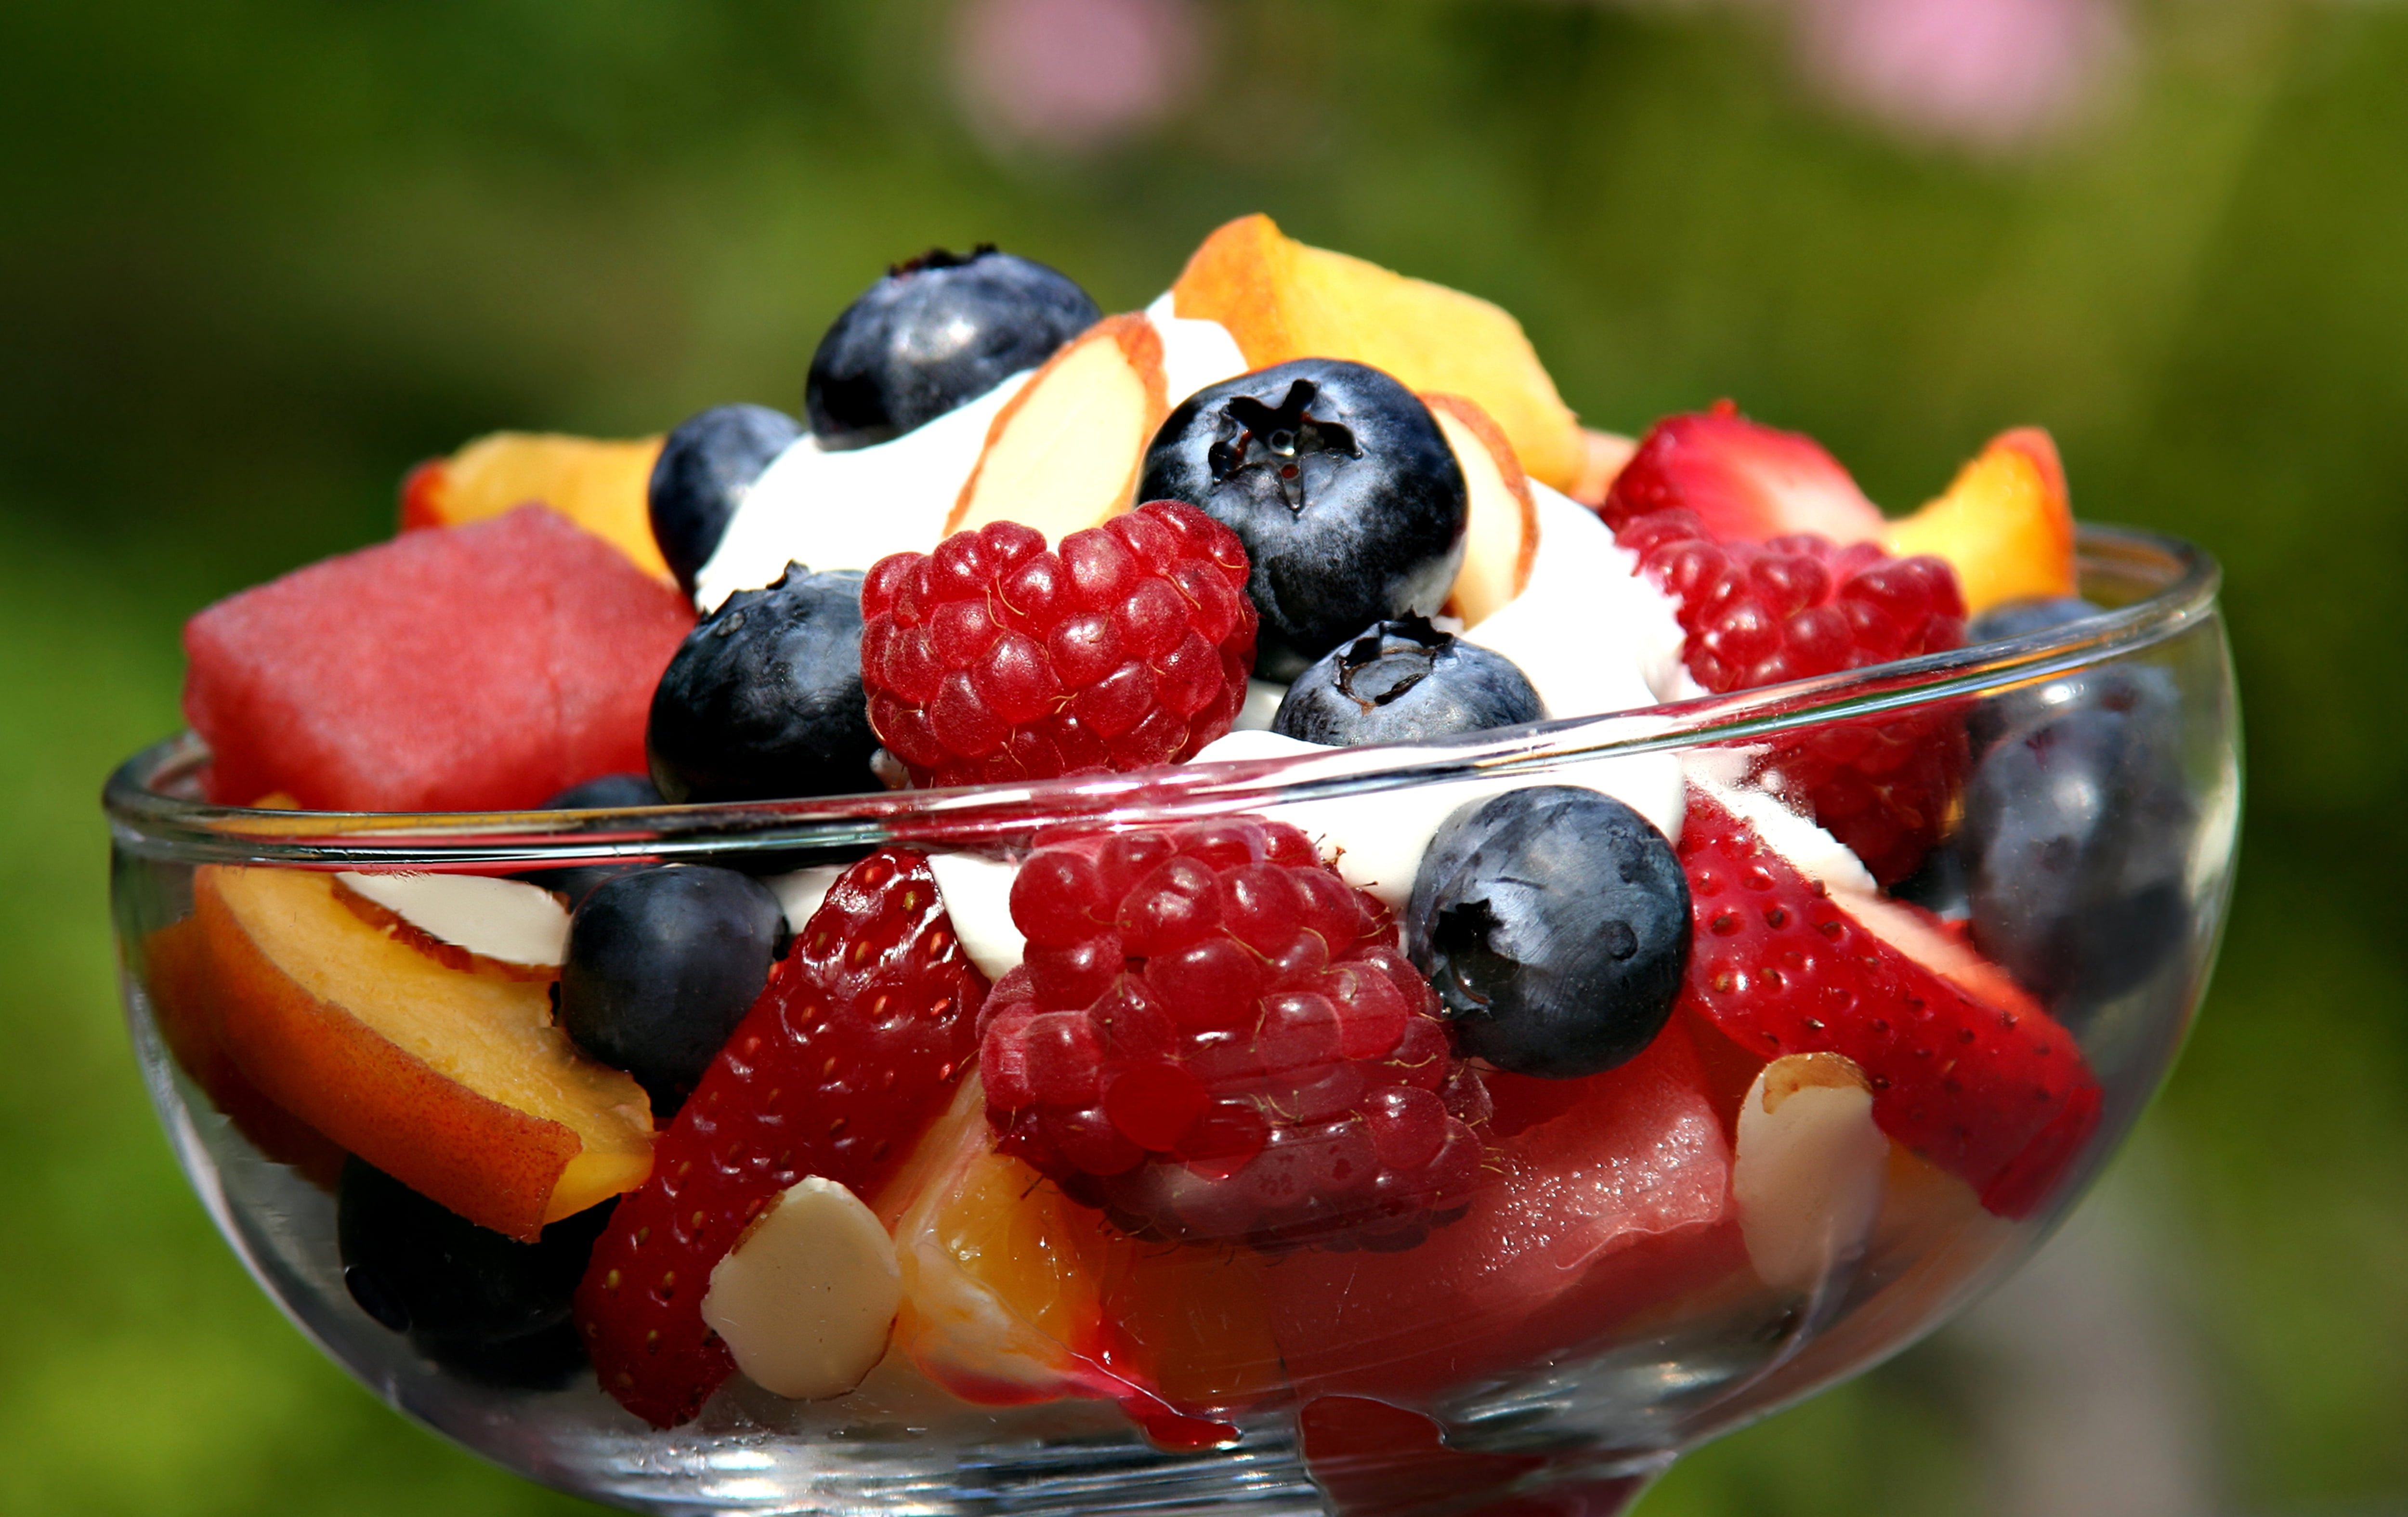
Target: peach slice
{"x":456,"y":1084}
{"x":1501,"y":536}
{"x":2005,"y":524}
{"x":1282,"y":299}
{"x":602,"y":485}
{"x":175,"y":969}
{"x":1065,"y":452}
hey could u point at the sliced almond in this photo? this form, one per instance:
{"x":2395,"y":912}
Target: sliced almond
{"x":508,"y":923}
{"x":1807,"y":1170}
{"x":1501,"y":538}
{"x":1065,"y":452}
{"x":808,"y":1297}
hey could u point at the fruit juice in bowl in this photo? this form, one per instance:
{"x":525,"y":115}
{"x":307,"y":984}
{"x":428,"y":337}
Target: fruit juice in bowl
{"x":1214,"y":904}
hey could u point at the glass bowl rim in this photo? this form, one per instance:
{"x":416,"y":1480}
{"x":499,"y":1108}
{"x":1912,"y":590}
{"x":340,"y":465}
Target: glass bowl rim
{"x":148,"y":819}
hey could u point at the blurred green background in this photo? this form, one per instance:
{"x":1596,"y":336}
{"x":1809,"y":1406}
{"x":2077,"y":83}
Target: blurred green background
{"x":257,"y":256}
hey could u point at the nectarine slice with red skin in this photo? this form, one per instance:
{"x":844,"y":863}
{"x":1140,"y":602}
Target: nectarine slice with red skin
{"x":601,"y":484}
{"x":456,"y":1084}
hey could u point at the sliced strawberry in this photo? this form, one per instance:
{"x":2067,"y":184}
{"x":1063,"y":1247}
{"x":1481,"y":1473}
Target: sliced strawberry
{"x":850,"y":1052}
{"x":1966,"y":1069}
{"x":1746,"y":481}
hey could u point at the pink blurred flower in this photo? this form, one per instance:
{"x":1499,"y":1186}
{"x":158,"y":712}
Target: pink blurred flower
{"x":1986,"y":73}
{"x":1075,"y":74}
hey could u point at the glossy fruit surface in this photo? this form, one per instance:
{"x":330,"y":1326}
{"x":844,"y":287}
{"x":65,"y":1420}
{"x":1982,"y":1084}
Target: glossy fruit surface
{"x":1966,"y":1069}
{"x":455,"y":1080}
{"x":1759,"y":614}
{"x":1553,"y":923}
{"x":1340,"y":486}
{"x":1402,"y":682}
{"x":1283,"y":299}
{"x":2014,"y":618}
{"x":596,"y":482}
{"x":2074,"y":841}
{"x":466,"y":1296}
{"x":609,"y":792}
{"x":763,"y":700}
{"x":1745,"y":482}
{"x":1217,"y":1039}
{"x":705,"y":470}
{"x":1605,"y":1196}
{"x":662,"y":965}
{"x":939,"y":330}
{"x":997,"y":659}
{"x":462,"y":668}
{"x":849,"y":1055}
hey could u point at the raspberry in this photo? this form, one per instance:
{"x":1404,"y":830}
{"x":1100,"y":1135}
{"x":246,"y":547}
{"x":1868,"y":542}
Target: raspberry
{"x":995,"y":659}
{"x":1797,"y":605}
{"x":848,"y":1055}
{"x":1213,"y":1037}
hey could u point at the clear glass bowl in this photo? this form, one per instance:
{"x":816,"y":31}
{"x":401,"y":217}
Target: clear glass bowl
{"x":1555,"y":1416}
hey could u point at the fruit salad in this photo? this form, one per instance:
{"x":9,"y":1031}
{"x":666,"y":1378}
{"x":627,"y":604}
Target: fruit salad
{"x":1336,"y":1109}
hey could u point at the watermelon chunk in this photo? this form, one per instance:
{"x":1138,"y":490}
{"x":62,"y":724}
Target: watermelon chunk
{"x":480,"y":667}
{"x":1615,"y":1196}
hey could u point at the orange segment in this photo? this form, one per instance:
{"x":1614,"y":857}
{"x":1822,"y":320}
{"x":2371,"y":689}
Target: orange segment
{"x":999,"y":1294}
{"x":601,"y":485}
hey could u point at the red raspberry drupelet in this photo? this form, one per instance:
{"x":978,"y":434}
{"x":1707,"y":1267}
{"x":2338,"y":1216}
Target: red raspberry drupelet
{"x":1216,"y":1037}
{"x":1797,"y":605}
{"x":995,"y":659}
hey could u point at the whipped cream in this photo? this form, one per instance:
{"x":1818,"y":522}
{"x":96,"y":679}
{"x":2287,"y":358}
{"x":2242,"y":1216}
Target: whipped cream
{"x":847,"y":510}
{"x":1720,"y":774}
{"x":1380,"y":837}
{"x":1590,"y":633}
{"x":1194,"y":352}
{"x":850,"y":508}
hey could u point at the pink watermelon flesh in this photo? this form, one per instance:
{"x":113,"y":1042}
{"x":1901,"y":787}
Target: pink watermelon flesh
{"x":1615,"y":1196}
{"x":478,"y":668}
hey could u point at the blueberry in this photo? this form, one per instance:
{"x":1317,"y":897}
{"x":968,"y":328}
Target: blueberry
{"x":2075,"y":842}
{"x":1553,"y":923}
{"x":937,"y":332}
{"x":1404,"y":682}
{"x":2016,"y":618}
{"x":705,"y":470}
{"x":763,"y":700}
{"x":662,"y":965}
{"x":609,"y":793}
{"x":467,"y":1297}
{"x":1349,"y":502}
{"x":606,"y":793}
